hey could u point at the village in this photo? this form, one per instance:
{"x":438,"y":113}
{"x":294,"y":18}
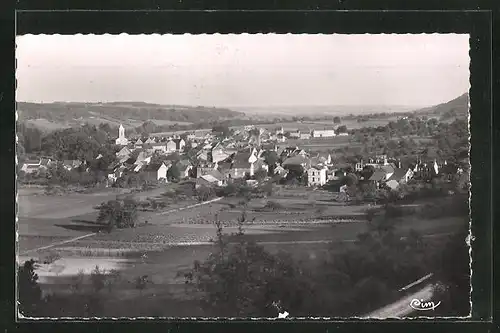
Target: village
{"x":214,"y":160}
{"x":247,"y":183}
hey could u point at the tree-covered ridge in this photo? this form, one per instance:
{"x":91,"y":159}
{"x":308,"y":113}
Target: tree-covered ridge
{"x":458,"y":107}
{"x":121,"y":111}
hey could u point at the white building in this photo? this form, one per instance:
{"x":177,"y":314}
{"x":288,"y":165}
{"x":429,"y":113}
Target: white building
{"x":160,"y":147}
{"x":305,"y":135}
{"x":170,"y":146}
{"x":316,"y":176}
{"x":122,"y":140}
{"x":326,"y":133}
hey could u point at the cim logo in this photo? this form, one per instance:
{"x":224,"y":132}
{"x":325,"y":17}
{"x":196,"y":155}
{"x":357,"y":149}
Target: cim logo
{"x":420,"y":305}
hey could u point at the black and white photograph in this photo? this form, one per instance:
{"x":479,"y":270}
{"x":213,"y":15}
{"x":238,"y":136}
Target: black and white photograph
{"x":274,"y":176}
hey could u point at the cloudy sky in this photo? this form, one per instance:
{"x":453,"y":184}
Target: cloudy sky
{"x":244,"y":70}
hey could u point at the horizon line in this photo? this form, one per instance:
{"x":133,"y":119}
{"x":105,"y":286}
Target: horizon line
{"x":245,"y":106}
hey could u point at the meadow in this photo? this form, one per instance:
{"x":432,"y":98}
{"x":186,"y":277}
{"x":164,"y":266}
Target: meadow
{"x":302,"y":222}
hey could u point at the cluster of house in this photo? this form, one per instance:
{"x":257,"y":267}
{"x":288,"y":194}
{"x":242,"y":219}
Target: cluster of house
{"x":295,"y":133}
{"x":392,"y":174}
{"x":220,"y":161}
{"x":37,"y":164}
{"x":162,"y":144}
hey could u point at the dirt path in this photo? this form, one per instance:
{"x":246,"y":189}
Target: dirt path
{"x":57,"y":244}
{"x":190,"y":206}
{"x":92,"y":234}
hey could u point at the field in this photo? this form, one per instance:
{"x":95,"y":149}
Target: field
{"x":323,"y":144}
{"x":199,"y":132}
{"x":43,"y":220}
{"x":328,"y":124}
{"x":304,"y":223}
{"x":170,"y":122}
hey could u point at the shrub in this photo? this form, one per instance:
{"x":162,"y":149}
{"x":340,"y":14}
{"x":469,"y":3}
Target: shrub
{"x":29,"y":292}
{"x":245,"y":280}
{"x":119,"y":213}
{"x":141,"y":283}
{"x":205,"y":193}
{"x":112,"y":279}
{"x":98,"y":279}
{"x":51,"y":257}
{"x":77,"y":281}
{"x":392,"y":211}
{"x":273,"y":205}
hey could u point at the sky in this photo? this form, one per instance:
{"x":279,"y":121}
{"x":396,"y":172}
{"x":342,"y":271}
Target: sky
{"x":244,"y":70}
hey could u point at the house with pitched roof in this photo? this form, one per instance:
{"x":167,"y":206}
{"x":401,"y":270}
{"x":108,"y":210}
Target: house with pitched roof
{"x":203,"y":155}
{"x":46,"y":162}
{"x":150,"y":141}
{"x":316,"y":176}
{"x":214,"y":178}
{"x":170,"y":146}
{"x":205,"y":169}
{"x":179,"y":144}
{"x":31,"y":166}
{"x":139,"y":143}
{"x":240,"y":166}
{"x":123,"y":152}
{"x":116,"y":171}
{"x":297,"y":160}
{"x":243,"y":162}
{"x":322,"y":160}
{"x":156,"y":171}
{"x":184,"y":167}
{"x":378,"y":177}
{"x":279,"y":170}
{"x":72,"y":164}
{"x":144,"y":157}
{"x":218,"y":154}
{"x":401,"y":175}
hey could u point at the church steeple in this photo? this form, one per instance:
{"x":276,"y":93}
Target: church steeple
{"x":122,"y":140}
{"x":121,"y":132}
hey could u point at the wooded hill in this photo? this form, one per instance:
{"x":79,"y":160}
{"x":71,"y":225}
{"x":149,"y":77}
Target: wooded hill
{"x":52,"y":116}
{"x":456,"y":108}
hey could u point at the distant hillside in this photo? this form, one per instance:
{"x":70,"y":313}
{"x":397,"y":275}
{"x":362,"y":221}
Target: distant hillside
{"x":456,"y":108}
{"x":51,"y":116}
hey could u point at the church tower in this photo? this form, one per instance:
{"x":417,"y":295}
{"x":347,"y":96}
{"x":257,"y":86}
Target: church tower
{"x":121,"y":132}
{"x":122,"y":140}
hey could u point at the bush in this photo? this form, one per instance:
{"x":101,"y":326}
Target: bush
{"x":141,"y":283}
{"x":29,"y":292}
{"x":98,"y":279}
{"x":245,"y":280}
{"x":273,"y":205}
{"x":119,"y":213}
{"x":77,"y":281}
{"x":81,"y":304}
{"x":205,"y":193}
{"x":51,"y":257}
{"x":393,"y":211}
